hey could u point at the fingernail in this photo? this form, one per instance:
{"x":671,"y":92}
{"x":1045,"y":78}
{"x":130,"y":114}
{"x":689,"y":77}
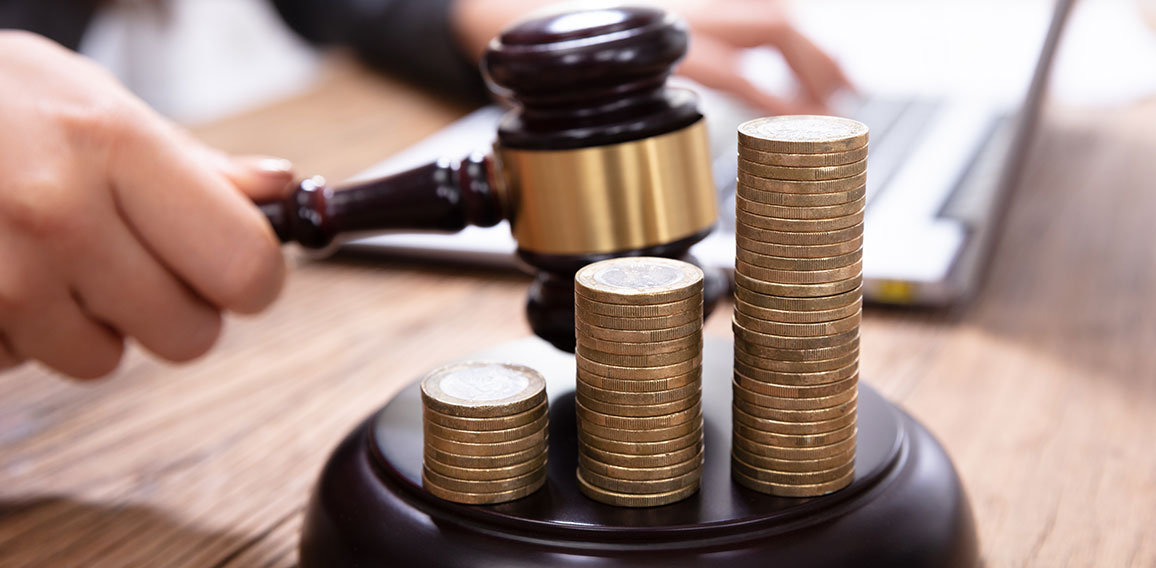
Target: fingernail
{"x":269,"y":166}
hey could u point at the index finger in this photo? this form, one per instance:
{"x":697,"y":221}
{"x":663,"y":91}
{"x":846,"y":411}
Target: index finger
{"x":819,"y":73}
{"x":193,"y":220}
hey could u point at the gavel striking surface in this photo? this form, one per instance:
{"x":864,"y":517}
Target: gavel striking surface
{"x":906,"y":506}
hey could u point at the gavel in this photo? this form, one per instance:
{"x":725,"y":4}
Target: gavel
{"x":599,"y":159}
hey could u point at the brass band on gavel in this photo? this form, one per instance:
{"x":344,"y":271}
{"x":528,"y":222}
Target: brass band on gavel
{"x":611,"y":198}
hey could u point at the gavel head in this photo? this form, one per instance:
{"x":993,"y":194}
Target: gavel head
{"x":599,"y":158}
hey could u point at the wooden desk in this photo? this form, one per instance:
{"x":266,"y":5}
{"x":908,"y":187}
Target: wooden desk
{"x":1043,"y":391}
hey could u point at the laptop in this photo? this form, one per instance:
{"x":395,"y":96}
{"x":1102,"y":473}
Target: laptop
{"x":943,"y":157}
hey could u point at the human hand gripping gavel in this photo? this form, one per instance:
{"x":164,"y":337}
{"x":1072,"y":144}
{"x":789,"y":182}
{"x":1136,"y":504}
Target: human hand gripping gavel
{"x":599,"y":160}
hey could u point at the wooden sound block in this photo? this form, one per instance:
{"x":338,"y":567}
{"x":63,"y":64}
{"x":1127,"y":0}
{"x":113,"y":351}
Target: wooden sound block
{"x":906,"y":506}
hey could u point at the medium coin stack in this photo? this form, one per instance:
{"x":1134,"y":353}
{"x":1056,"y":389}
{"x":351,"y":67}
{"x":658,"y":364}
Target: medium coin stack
{"x":639,"y":334}
{"x":485,"y":432}
{"x":798,"y":302}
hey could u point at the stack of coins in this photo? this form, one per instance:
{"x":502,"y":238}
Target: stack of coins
{"x":639,"y":335}
{"x":485,"y":432}
{"x":798,"y":302}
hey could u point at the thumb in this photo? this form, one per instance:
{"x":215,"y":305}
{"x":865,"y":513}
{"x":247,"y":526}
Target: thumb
{"x":258,"y":177}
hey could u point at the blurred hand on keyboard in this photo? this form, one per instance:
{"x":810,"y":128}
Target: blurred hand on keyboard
{"x":722,"y":31}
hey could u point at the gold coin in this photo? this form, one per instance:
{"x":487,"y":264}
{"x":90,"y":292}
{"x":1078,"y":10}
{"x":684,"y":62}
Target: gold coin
{"x":634,"y":500}
{"x":803,"y":134}
{"x":537,"y":439}
{"x":487,"y":473}
{"x":785,"y":453}
{"x":764,"y":350}
{"x":482,"y":498}
{"x":799,"y":329}
{"x":797,"y":391}
{"x":639,"y":280}
{"x":797,"y":212}
{"x":797,"y":290}
{"x":803,"y":160}
{"x":799,"y":304}
{"x":794,"y":366}
{"x":815,"y":415}
{"x":793,"y":238}
{"x":796,"y":316}
{"x":588,"y":393}
{"x":647,"y":360}
{"x":634,"y":460}
{"x":642,"y":436}
{"x":691,"y":341}
{"x":799,"y":225}
{"x":793,"y":403}
{"x":815,"y":354}
{"x":750,"y":185}
{"x":785,"y":225}
{"x":803,"y":173}
{"x":636,"y":422}
{"x":796,"y":276}
{"x":485,"y":436}
{"x":491,"y":486}
{"x":792,"y":440}
{"x":788,"y":263}
{"x":588,"y":463}
{"x":800,"y":251}
{"x":481,"y":462}
{"x":791,"y":477}
{"x":641,"y":410}
{"x":785,"y":365}
{"x":485,"y":424}
{"x":647,"y":486}
{"x":640,"y":386}
{"x":819,"y":464}
{"x":798,"y":360}
{"x":636,"y":336}
{"x":639,"y":448}
{"x":628,"y":311}
{"x":479,"y":389}
{"x":637,"y":373}
{"x":801,"y":199}
{"x":640,"y":324}
{"x":796,"y":378}
{"x":782,"y":427}
{"x":754,"y":337}
{"x":783,"y":490}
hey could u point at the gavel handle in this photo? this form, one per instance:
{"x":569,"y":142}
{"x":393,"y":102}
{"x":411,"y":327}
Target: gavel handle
{"x":446,"y":195}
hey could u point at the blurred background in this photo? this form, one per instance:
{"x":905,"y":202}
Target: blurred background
{"x":945,"y":87}
{"x":200,"y":60}
{"x":1042,"y":391}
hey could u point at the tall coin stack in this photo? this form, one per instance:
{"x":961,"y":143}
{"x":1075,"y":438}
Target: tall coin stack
{"x":639,"y":334}
{"x":485,"y":432}
{"x":798,"y":302}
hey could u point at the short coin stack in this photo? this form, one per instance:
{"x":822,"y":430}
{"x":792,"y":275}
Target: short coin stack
{"x":485,"y":432}
{"x":798,"y":302}
{"x":639,"y":354}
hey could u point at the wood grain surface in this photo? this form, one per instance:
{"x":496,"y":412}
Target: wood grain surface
{"x":1043,"y":390}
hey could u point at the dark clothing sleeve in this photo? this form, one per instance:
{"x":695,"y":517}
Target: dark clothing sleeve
{"x":61,"y":20}
{"x":410,"y":38}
